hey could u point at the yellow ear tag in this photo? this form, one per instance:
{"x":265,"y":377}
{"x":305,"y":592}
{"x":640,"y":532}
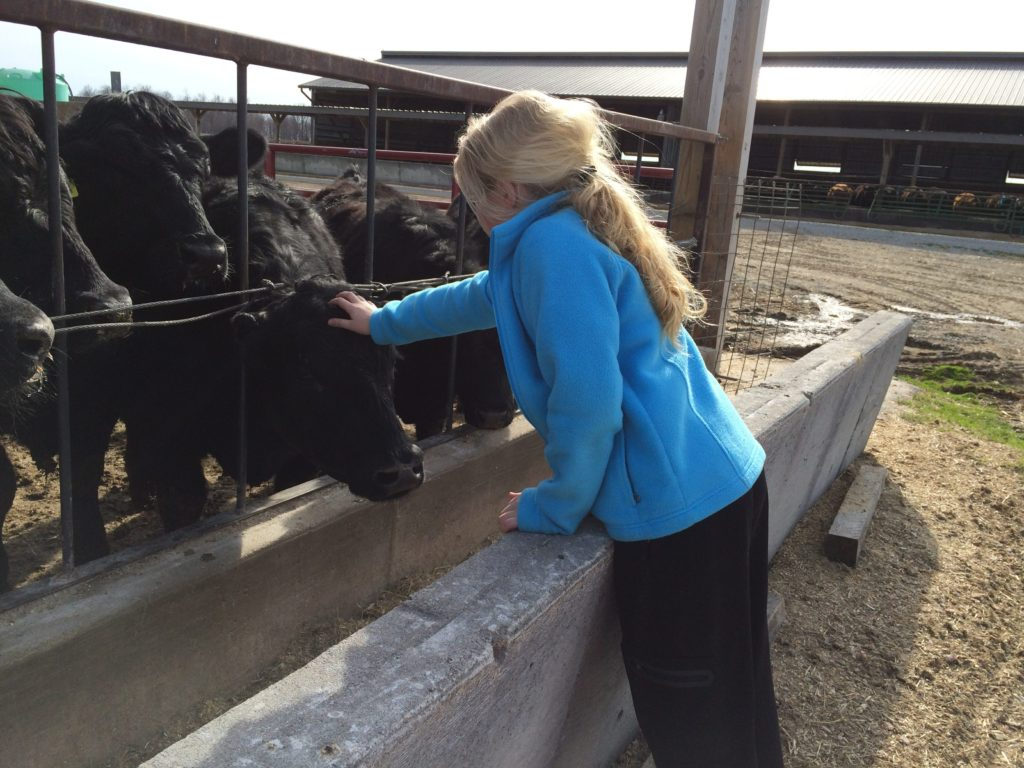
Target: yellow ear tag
{"x":74,"y":189}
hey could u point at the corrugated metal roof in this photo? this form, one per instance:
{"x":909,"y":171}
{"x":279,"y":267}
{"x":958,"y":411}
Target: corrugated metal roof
{"x":958,"y":79}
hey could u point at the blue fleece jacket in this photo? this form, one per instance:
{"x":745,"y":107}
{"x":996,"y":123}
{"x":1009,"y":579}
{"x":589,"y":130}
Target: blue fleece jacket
{"x":636,"y":430}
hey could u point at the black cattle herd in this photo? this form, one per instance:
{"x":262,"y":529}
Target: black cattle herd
{"x":149,"y":212}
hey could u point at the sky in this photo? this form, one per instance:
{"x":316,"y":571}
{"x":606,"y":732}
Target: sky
{"x":364,"y":29}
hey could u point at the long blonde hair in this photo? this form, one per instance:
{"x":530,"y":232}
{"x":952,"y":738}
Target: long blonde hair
{"x":546,"y":145}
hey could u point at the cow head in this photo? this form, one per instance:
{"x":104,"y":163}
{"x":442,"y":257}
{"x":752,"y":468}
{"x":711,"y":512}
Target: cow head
{"x":25,"y":338}
{"x":26,"y":261}
{"x":139,"y":167}
{"x":328,"y":391}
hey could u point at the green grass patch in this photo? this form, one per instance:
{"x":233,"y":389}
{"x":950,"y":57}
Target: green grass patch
{"x":952,"y":394}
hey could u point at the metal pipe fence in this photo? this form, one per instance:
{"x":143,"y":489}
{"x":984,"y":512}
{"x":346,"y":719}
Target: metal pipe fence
{"x":908,"y":205}
{"x":96,"y":20}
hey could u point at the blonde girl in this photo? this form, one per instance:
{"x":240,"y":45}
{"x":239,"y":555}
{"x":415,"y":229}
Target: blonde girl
{"x":590,"y":301}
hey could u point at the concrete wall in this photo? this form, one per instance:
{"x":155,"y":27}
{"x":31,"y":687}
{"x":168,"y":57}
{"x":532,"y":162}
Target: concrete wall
{"x":511,"y":659}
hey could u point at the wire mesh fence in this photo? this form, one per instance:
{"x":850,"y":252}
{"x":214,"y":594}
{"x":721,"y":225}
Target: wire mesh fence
{"x":753,"y":283}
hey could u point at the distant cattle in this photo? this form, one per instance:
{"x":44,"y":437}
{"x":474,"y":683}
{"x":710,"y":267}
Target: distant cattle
{"x":864,"y":195}
{"x":413,"y":242}
{"x":913,"y":195}
{"x":1003,"y":202}
{"x":840,"y":193}
{"x":318,"y":399}
{"x":965,"y":200}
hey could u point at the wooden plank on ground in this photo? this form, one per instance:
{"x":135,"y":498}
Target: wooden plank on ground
{"x":846,"y":536}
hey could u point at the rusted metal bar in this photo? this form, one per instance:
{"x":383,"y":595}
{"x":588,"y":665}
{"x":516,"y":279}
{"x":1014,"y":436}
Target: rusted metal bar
{"x":60,"y":343}
{"x":85,"y":18}
{"x":371,"y":180}
{"x":892,"y":134}
{"x":242,"y":254}
{"x":701,"y":214}
{"x":639,"y":158}
{"x":460,"y":248}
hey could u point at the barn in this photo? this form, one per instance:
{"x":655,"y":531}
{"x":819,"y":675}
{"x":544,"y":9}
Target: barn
{"x":947,"y":120}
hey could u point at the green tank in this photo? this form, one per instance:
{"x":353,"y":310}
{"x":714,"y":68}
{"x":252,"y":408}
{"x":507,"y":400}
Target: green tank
{"x":30,"y":84}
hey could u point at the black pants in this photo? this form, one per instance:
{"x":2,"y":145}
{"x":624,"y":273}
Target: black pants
{"x":695,"y":639}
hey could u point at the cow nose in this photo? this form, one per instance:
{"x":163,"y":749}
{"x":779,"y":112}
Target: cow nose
{"x":116,"y":304}
{"x":402,"y":475}
{"x":34,"y":340}
{"x":489,"y":419}
{"x":203,"y":256}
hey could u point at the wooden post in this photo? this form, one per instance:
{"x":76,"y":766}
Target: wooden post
{"x":706,"y":67}
{"x":887,"y":152}
{"x":732,"y":154}
{"x":917,"y":153}
{"x":782,"y":145}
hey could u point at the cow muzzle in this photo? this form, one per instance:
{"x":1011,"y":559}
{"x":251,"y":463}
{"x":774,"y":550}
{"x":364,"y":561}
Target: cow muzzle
{"x":204,"y":259}
{"x":393,"y":479}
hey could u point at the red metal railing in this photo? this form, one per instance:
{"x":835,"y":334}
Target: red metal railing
{"x":432,"y":158}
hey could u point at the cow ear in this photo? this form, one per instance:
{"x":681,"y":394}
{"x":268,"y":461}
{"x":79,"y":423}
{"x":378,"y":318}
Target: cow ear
{"x":245,"y":324}
{"x":223,"y":148}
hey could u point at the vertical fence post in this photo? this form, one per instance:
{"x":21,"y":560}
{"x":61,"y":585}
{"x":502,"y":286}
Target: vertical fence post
{"x":460,"y":247}
{"x":242,"y":255}
{"x":371,"y":180}
{"x":639,"y":158}
{"x":55,"y":222}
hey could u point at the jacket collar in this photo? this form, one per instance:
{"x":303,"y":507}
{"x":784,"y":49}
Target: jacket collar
{"x":505,"y":236}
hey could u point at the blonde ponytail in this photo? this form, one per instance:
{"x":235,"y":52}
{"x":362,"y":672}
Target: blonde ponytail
{"x":547,"y":144}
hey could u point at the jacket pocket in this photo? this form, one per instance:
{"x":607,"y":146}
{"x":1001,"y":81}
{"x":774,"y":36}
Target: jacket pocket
{"x":631,"y":485}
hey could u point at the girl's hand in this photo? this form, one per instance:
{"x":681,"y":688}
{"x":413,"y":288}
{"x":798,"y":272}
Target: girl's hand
{"x":358,"y":310}
{"x":508,"y":517}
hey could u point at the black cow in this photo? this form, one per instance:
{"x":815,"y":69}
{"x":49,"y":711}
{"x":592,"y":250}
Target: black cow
{"x":25,"y":260}
{"x":139,"y":166}
{"x":412,"y":242}
{"x":316,"y":397}
{"x":25,"y":338}
{"x":26,"y":269}
{"x":26,"y":334}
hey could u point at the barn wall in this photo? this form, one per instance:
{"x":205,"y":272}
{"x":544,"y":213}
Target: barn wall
{"x":511,"y":659}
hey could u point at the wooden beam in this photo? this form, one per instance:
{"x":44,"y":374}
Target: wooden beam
{"x":706,"y":66}
{"x":732,"y":153}
{"x":892,"y":134}
{"x":845,"y":538}
{"x":782,"y":144}
{"x":887,"y":153}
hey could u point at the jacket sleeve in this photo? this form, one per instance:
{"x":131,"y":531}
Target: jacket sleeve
{"x":446,"y":310}
{"x":568,"y":305}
